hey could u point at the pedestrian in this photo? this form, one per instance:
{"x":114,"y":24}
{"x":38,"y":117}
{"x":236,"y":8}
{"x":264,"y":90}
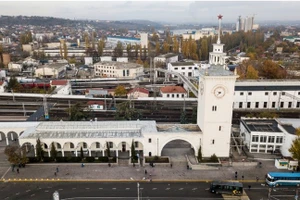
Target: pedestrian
{"x":243,"y":177}
{"x":236,"y":173}
{"x":109,"y":164}
{"x":171,"y":165}
{"x":235,"y":177}
{"x":57,"y":169}
{"x":257,"y":179}
{"x":82,"y":165}
{"x":146,"y":171}
{"x":249,"y":187}
{"x":54,"y":173}
{"x":13,"y":168}
{"x":187,"y":167}
{"x":18,"y":170}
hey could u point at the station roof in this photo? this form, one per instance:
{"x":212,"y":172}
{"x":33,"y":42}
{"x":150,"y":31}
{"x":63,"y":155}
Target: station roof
{"x":90,"y":129}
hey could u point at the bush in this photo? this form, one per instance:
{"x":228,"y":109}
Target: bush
{"x":156,"y":159}
{"x":103,"y":159}
{"x":48,"y":159}
{"x":90,"y":159}
{"x":32,"y":160}
{"x":214,"y":158}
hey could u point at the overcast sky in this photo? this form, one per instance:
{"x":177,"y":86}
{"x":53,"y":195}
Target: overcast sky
{"x":168,"y":11}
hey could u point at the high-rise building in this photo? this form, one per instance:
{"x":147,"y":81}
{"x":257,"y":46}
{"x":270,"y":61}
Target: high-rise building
{"x":245,"y":24}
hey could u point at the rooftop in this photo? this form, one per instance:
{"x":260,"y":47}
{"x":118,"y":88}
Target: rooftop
{"x":59,"y":82}
{"x":142,"y":90}
{"x":119,"y":65}
{"x":182,"y":63}
{"x":215,"y":70}
{"x":168,"y":55}
{"x":172,"y":89}
{"x":261,"y":125}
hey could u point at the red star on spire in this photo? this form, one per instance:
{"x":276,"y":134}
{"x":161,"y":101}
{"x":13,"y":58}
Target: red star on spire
{"x":220,"y":16}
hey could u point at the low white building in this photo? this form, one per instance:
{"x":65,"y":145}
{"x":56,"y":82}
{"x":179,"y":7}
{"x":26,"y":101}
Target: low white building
{"x":118,"y":69}
{"x":62,"y":86}
{"x":173,"y":92}
{"x":189,"y":69}
{"x":88,"y":60}
{"x":268,"y":135}
{"x":51,"y":71}
{"x":3,"y":84}
{"x":267,"y":94}
{"x":122,"y":59}
{"x":15,"y":67}
{"x":166,"y":58}
{"x":135,"y":93}
{"x":105,"y":58}
{"x":95,"y":105}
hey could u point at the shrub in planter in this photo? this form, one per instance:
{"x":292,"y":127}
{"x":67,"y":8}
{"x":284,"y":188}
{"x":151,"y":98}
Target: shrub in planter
{"x":103,"y":159}
{"x":32,"y":160}
{"x":214,"y":158}
{"x":90,"y":159}
{"x":62,"y":159}
{"x":48,"y":159}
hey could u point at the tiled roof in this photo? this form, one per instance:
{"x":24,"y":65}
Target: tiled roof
{"x":59,"y":82}
{"x":141,"y":90}
{"x":1,"y":82}
{"x":172,"y":89}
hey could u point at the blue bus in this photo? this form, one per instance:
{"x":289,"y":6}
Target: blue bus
{"x":283,"y":178}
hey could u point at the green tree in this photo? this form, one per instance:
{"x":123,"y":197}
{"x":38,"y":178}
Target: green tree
{"x":100,"y":47}
{"x":128,"y":49}
{"x":252,"y":73}
{"x":53,"y":151}
{"x":86,"y":40}
{"x":13,"y":84}
{"x":214,"y":158}
{"x":166,"y":47}
{"x":154,"y":37}
{"x":204,"y":49}
{"x":107,"y":149}
{"x":175,"y":45}
{"x":120,"y":90}
{"x":81,"y":153}
{"x":199,"y":154}
{"x":16,"y":155}
{"x":76,"y":112}
{"x":272,"y":70}
{"x":194,"y":115}
{"x":183,"y":118}
{"x":39,"y":150}
{"x":295,"y":147}
{"x":125,"y":111}
{"x":157,"y":48}
{"x":118,"y":51}
{"x":65,"y":51}
{"x":133,"y":153}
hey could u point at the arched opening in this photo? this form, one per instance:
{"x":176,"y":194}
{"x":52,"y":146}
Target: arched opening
{"x":29,"y":149}
{"x":57,"y":147}
{"x":96,"y":150}
{"x":69,"y":149}
{"x":123,"y":152}
{"x":84,"y":147}
{"x":2,"y":139}
{"x":177,"y":149}
{"x":12,"y":136}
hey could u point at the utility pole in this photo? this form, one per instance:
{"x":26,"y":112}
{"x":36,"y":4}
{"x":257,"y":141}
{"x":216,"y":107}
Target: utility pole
{"x":138,"y":191}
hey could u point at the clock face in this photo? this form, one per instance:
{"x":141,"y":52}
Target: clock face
{"x":219,"y":92}
{"x":201,"y":86}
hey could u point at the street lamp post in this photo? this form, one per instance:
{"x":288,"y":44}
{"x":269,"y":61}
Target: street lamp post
{"x":138,"y":191}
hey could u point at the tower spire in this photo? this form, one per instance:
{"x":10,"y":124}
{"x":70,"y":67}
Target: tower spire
{"x":219,"y":33}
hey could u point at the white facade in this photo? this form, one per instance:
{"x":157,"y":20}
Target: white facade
{"x":15,"y":67}
{"x":122,"y":59}
{"x":55,"y":52}
{"x":166,"y":58}
{"x":105,"y":58}
{"x":3,"y":84}
{"x":118,"y":69}
{"x":144,"y":40}
{"x":88,"y":60}
{"x":54,"y":70}
{"x":267,"y":94}
{"x":185,"y":68}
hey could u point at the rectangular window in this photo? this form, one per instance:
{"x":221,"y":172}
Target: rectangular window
{"x":273,"y":104}
{"x":220,"y":128}
{"x":111,"y":145}
{"x":84,"y":145}
{"x":183,"y":68}
{"x":136,"y":144}
{"x":190,"y":67}
{"x":149,"y":140}
{"x":168,"y":95}
{"x":248,"y":104}
{"x":189,"y":74}
{"x":281,"y":104}
{"x":176,"y":68}
{"x":213,"y":141}
{"x":173,"y":95}
{"x":97,"y":145}
{"x":290,"y":104}
{"x":263,"y":138}
{"x":127,"y":72}
{"x":256,"y":104}
{"x":240,"y":104}
{"x":177,"y":95}
{"x":71,"y":145}
{"x":282,"y":93}
{"x":274,"y":93}
{"x":214,"y":108}
{"x":255,"y":138}
{"x":182,"y":95}
{"x":123,"y":72}
{"x":266,"y":93}
{"x":298,"y":104}
{"x":265,"y":104}
{"x":298,"y":93}
{"x":241,"y":93}
{"x":279,"y":139}
{"x":271,"y":139}
{"x":249,"y":93}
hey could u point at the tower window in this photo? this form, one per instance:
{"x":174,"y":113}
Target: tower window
{"x":240,"y":104}
{"x":149,"y":140}
{"x":220,"y":128}
{"x":213,"y":141}
{"x":249,"y":93}
{"x":241,"y":93}
{"x":214,"y":108}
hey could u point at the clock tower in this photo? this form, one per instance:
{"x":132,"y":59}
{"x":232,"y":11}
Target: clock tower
{"x":215,"y":104}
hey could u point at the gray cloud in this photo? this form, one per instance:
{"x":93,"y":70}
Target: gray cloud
{"x":168,"y":11}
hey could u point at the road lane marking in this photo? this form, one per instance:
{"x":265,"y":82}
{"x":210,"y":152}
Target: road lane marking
{"x":114,"y":188}
{"x":46,"y":190}
{"x":5,"y":172}
{"x":127,"y":188}
{"x":180,"y":188}
{"x":60,"y":189}
{"x":194,"y":189}
{"x":154,"y":188}
{"x":27,"y":190}
{"x":32,"y":195}
{"x":73,"y":188}
{"x":18,"y":193}
{"x":87,"y":188}
{"x":100,"y":188}
{"x":167,"y":188}
{"x":141,"y":188}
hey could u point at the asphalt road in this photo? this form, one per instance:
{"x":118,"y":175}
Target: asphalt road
{"x":128,"y":191}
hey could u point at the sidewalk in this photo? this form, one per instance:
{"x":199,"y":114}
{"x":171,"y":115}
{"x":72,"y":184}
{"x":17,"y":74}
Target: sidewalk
{"x":178,"y":172}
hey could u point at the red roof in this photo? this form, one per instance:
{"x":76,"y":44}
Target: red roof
{"x":172,"y":89}
{"x":59,"y":82}
{"x":95,"y":102}
{"x":1,"y":82}
{"x":141,"y":90}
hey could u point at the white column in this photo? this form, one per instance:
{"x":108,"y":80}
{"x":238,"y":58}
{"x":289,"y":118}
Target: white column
{"x":34,"y":151}
{"x":62,"y":153}
{"x":49,"y":154}
{"x":90,"y":152}
{"x":0,"y":137}
{"x":7,"y":142}
{"x":76,"y":152}
{"x":117,"y":152}
{"x":103,"y":151}
{"x":12,"y":136}
{"x":129,"y":153}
